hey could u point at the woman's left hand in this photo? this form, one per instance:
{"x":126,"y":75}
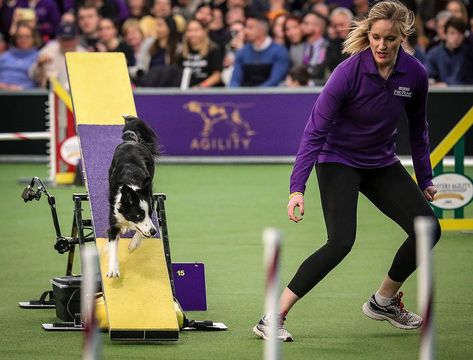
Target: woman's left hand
{"x":430,"y":192}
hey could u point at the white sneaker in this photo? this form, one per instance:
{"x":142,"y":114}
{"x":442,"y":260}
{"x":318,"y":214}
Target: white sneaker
{"x":394,"y":313}
{"x":262,"y":330}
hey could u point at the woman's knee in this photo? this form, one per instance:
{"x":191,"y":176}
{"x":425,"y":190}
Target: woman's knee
{"x":340,"y":248}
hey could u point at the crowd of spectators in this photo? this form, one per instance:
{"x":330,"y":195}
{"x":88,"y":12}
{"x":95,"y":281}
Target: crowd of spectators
{"x":217,"y":43}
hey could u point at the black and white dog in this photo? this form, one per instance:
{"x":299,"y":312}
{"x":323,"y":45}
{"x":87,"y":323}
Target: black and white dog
{"x":130,"y":188}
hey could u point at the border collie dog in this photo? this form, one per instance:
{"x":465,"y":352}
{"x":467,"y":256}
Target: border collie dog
{"x":130,"y":188}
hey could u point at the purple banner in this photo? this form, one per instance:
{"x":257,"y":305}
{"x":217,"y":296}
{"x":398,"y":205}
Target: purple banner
{"x":227,"y":124}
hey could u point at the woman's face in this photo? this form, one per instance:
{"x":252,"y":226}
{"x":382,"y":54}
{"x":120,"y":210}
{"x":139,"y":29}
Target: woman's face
{"x":384,"y":40}
{"x":133,"y":36}
{"x":195,"y":34}
{"x":278,"y":31}
{"x":162,"y":30}
{"x":456,"y":9}
{"x":24,"y":38}
{"x":107,"y":31}
{"x":293,"y":31}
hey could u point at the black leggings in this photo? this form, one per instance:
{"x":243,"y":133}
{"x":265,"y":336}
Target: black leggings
{"x":391,"y":189}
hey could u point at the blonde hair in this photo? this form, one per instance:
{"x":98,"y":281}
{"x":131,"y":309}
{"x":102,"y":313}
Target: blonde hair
{"x":132,"y":23}
{"x":206,"y":45}
{"x":392,"y":10}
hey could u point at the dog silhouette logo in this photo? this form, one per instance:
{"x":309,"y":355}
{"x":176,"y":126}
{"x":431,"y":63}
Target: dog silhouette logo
{"x":212,"y":114}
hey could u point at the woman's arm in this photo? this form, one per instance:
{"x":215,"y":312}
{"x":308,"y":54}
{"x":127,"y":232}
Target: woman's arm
{"x":321,"y":119}
{"x":214,"y":79}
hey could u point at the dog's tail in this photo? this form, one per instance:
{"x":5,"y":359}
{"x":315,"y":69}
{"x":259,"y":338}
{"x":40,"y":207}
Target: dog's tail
{"x":137,"y":130}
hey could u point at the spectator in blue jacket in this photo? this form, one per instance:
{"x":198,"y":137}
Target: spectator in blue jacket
{"x":450,"y":62}
{"x":16,"y":62}
{"x":261,"y":62}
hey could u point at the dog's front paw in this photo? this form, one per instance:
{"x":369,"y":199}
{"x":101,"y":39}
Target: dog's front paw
{"x":135,"y":242}
{"x":113,"y":272}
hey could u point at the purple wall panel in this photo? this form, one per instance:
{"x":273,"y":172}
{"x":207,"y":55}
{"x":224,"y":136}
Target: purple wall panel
{"x":227,"y":124}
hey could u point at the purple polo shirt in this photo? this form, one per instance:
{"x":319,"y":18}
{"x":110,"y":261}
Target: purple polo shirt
{"x":353,"y":121}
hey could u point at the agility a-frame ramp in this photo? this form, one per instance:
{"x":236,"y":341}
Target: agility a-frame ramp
{"x":139,"y":304}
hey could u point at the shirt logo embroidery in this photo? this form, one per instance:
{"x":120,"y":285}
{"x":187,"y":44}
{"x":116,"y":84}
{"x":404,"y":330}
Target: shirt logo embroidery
{"x":403,"y":92}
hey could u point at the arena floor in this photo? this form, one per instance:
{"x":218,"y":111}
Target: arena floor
{"x":216,"y":214}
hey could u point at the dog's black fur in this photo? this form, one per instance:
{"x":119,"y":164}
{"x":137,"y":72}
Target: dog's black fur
{"x":130,"y":181}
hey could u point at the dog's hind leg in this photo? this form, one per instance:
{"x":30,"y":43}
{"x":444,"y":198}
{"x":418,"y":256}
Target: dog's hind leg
{"x":136,"y":241}
{"x":114,"y":236}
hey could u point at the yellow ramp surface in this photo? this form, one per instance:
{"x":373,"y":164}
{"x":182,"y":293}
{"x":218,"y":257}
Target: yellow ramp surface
{"x":100,"y":87}
{"x":139,"y":302}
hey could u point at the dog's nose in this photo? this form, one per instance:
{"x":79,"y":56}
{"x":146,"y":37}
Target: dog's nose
{"x":153,"y":231}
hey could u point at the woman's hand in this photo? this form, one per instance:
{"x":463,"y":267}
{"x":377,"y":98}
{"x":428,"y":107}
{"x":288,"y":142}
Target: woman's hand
{"x":430,"y":192}
{"x":295,"y":201}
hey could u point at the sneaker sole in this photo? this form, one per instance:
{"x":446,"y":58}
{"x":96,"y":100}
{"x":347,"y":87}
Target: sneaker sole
{"x":372,"y":315}
{"x":261,"y":335}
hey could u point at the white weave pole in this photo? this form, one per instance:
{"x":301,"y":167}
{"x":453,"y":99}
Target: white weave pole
{"x":423,"y":227}
{"x":272,"y":239}
{"x":91,"y":349}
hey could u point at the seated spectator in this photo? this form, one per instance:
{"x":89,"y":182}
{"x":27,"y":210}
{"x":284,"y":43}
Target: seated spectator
{"x":23,"y":15}
{"x":360,"y":8}
{"x":138,"y":8}
{"x":218,"y":32}
{"x":260,"y":62}
{"x":204,"y":14}
{"x":110,"y":42}
{"x":293,"y":38}
{"x":88,"y":20}
{"x":322,"y":9}
{"x":68,"y":17}
{"x":440,"y":20}
{"x":315,"y":46}
{"x":298,"y":76}
{"x":183,"y":8}
{"x":113,"y":9}
{"x":161,"y":8}
{"x":162,"y":50}
{"x":277,"y":29}
{"x":235,"y":14}
{"x":202,"y":56}
{"x":134,"y":38}
{"x":237,"y":31}
{"x":51,"y":61}
{"x":16,"y":61}
{"x":458,"y":9}
{"x":48,"y":16}
{"x":450,"y":63}
{"x":7,"y":8}
{"x":276,"y":8}
{"x":410,"y":44}
{"x":340,"y":23}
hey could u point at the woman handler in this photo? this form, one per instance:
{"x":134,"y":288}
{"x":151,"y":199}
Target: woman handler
{"x":350,"y":138}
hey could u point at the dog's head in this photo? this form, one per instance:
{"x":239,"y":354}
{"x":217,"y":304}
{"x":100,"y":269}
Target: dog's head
{"x":136,"y":207}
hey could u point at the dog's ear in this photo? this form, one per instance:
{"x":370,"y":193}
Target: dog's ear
{"x":128,"y":117}
{"x":147,"y":183}
{"x":128,"y":195}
